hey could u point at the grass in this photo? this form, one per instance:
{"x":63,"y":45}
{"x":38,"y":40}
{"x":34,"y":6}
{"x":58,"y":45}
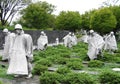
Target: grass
{"x":3,"y":74}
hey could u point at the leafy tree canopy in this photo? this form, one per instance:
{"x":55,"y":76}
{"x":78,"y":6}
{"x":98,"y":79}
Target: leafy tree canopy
{"x":38,"y":15}
{"x":68,"y":21}
{"x":103,"y":21}
{"x":116,"y":12}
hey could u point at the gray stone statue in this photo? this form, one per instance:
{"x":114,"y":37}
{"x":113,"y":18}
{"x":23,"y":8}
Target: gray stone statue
{"x":20,"y":54}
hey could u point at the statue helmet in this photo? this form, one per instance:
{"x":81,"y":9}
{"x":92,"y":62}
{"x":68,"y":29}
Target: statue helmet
{"x":91,"y":31}
{"x":5,"y":30}
{"x":18,"y":26}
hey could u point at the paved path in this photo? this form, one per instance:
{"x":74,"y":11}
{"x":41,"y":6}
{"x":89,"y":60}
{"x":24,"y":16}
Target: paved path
{"x":20,"y":80}
{"x":34,"y":80}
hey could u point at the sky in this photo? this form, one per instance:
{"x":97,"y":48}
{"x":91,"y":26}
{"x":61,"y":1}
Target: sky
{"x":74,"y":5}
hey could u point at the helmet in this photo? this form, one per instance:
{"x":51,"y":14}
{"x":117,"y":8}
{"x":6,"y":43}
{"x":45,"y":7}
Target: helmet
{"x":42,"y":32}
{"x":91,"y":31}
{"x":57,"y":39}
{"x":111,"y":32}
{"x":69,"y":33}
{"x":18,"y":26}
{"x":5,"y":30}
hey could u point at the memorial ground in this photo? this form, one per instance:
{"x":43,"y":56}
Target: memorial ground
{"x":57,"y":64}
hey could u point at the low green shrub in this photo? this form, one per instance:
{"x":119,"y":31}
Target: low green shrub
{"x":52,"y":52}
{"x":75,"y":65}
{"x":109,"y":77}
{"x":95,"y":63}
{"x":44,"y":62}
{"x":38,"y":69}
{"x":83,"y":55}
{"x":78,"y":78}
{"x":74,"y":55}
{"x":107,"y":57}
{"x":51,"y":58}
{"x":57,"y":59}
{"x":50,"y":78}
{"x":117,"y":51}
{"x":65,"y":54}
{"x":36,"y":58}
{"x":81,"y":45}
{"x":1,"y":82}
{"x":75,"y":59}
{"x":63,"y":70}
{"x":41,"y":54}
{"x":61,"y":60}
{"x":117,"y":57}
{"x":3,"y":70}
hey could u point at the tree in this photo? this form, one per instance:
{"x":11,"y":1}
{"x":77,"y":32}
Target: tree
{"x":86,"y":19}
{"x":116,"y":12}
{"x":110,"y":2}
{"x":103,"y":21}
{"x":38,"y":15}
{"x":8,"y":9}
{"x":68,"y":21}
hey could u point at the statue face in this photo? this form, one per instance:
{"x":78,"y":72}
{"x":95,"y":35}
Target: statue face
{"x":18,"y":31}
{"x":111,"y":34}
{"x":92,"y":34}
{"x":5,"y":33}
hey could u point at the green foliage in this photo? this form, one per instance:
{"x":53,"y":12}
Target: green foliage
{"x":95,"y":63}
{"x":109,"y":77}
{"x":103,"y":21}
{"x":60,"y":60}
{"x":80,"y":51}
{"x":78,"y":78}
{"x":63,"y":70}
{"x":57,"y":55}
{"x":38,"y":15}
{"x":70,"y":78}
{"x":36,"y":58}
{"x":71,"y":59}
{"x":117,"y":57}
{"x":8,"y":27}
{"x":57,"y":59}
{"x":116,"y":12}
{"x":65,"y":54}
{"x":50,"y":78}
{"x":11,"y":27}
{"x":68,"y":21}
{"x":1,"y":82}
{"x":111,"y":57}
{"x":86,"y":19}
{"x":44,"y":62}
{"x":38,"y":69}
{"x":75,"y":65}
{"x":0,"y":58}
{"x":75,"y":60}
{"x":58,"y":51}
{"x":3,"y":71}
